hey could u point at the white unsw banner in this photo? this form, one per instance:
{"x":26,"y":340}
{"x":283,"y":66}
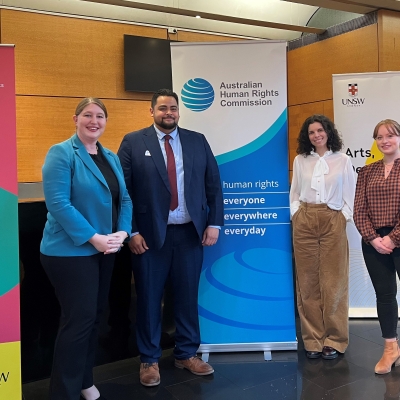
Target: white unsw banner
{"x":360,"y":101}
{"x":235,"y":94}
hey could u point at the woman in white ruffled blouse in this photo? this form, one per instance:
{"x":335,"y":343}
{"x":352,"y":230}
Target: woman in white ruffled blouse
{"x":321,"y":202}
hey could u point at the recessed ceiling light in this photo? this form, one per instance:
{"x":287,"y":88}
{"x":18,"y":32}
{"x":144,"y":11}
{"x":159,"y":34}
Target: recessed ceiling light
{"x":198,"y":16}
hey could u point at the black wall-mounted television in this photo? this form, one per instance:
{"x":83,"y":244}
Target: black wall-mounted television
{"x":147,"y":64}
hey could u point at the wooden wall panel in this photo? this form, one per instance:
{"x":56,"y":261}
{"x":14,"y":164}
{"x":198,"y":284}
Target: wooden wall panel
{"x":75,"y":57}
{"x":44,"y":121}
{"x":72,"y":57}
{"x":60,"y":60}
{"x":389,"y":40}
{"x":310,"y":68}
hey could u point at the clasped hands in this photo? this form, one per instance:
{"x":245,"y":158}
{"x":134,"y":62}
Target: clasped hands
{"x":138,"y":245}
{"x":110,"y":243}
{"x":383,"y":245}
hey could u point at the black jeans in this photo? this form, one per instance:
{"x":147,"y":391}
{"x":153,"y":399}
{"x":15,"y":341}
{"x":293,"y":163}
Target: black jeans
{"x":382,"y":269}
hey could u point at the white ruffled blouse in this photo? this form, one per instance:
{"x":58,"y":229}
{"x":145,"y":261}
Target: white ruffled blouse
{"x":329,"y":179}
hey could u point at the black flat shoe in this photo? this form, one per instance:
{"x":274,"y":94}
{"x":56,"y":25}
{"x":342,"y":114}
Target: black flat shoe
{"x":329,"y":353}
{"x":313,"y":354}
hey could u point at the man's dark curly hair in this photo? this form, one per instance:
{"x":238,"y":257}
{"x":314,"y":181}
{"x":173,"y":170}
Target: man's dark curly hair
{"x":334,"y":142}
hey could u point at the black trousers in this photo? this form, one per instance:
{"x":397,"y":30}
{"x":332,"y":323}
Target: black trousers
{"x":382,"y":269}
{"x":119,"y":300}
{"x":81,"y":285}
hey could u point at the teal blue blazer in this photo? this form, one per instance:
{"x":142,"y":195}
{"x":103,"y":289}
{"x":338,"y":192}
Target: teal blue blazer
{"x":78,"y":200}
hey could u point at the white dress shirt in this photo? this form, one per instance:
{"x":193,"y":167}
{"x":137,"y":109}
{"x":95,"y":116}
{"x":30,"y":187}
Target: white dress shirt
{"x":329,"y":179}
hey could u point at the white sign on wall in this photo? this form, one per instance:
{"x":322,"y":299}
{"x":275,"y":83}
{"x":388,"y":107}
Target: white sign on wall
{"x":360,"y":101}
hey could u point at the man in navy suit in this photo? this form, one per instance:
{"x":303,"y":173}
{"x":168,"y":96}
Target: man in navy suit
{"x":174,"y":183}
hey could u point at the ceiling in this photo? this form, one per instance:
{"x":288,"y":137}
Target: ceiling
{"x":268,"y":19}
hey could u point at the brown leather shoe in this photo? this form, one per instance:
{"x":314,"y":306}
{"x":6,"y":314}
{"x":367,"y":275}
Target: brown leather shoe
{"x":195,"y":365}
{"x":149,"y":374}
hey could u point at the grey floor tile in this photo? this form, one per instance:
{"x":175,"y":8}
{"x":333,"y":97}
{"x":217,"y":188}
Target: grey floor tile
{"x":376,"y":387}
{"x":116,"y":369}
{"x":357,"y":325}
{"x":248,"y":375}
{"x":38,"y":390}
{"x":212,"y":387}
{"x":129,"y":388}
{"x":332,"y":374}
{"x":282,"y":388}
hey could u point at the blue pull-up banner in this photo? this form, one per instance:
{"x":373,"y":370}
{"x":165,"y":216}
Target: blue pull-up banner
{"x":235,"y":94}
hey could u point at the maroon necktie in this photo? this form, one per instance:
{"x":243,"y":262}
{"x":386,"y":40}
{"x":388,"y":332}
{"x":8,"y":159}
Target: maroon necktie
{"x":171,"y":169}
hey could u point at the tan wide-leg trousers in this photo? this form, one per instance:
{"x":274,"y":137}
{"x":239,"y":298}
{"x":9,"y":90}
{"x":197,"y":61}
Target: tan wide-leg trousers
{"x":322,"y":271}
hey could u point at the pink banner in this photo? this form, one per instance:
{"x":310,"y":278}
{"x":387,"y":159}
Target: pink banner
{"x":8,"y":148}
{"x":10,"y":388}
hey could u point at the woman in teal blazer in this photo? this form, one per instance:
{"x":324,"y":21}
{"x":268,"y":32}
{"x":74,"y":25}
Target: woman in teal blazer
{"x":89,"y":217}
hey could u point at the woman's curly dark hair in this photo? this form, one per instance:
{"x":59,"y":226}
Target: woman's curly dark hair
{"x":334,"y":142}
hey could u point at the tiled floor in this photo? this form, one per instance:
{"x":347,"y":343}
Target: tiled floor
{"x":246,"y":376}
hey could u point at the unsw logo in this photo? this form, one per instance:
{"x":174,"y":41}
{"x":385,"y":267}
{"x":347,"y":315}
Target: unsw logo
{"x":353,"y":89}
{"x":353,"y":100}
{"x":197,"y":94}
{"x":4,"y":377}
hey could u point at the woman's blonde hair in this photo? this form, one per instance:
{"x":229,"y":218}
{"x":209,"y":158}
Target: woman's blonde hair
{"x":90,"y":100}
{"x":391,"y":125}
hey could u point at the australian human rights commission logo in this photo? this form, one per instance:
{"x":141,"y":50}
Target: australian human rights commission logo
{"x":197,"y":94}
{"x":353,"y":100}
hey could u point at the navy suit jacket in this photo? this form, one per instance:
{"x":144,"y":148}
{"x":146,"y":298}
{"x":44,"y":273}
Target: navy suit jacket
{"x":147,"y":183}
{"x":78,"y":199}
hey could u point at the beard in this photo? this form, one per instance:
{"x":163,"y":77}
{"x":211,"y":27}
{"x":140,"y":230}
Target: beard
{"x":168,"y":125}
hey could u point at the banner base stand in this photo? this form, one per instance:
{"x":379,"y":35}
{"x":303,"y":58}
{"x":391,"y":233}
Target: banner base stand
{"x":267,"y":356}
{"x":363,"y":312}
{"x":266,"y":348}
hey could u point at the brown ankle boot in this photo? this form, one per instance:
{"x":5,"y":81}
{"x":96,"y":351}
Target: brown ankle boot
{"x":391,"y":354}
